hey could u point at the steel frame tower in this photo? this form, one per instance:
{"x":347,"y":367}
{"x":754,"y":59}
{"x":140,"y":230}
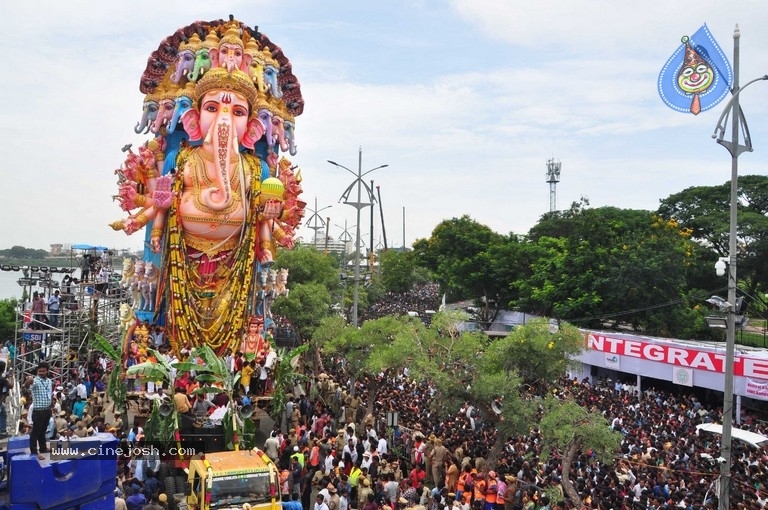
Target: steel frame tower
{"x":553,"y":177}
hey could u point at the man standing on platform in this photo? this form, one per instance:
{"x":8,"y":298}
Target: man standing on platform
{"x":54,"y":305}
{"x":85,"y":267}
{"x":42,"y":390}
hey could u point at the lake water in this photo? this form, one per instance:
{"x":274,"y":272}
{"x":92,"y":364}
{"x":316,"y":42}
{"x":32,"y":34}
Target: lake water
{"x":9,"y":288}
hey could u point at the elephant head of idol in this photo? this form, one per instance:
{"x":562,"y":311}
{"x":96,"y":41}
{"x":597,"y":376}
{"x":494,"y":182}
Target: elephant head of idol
{"x":225,"y":101}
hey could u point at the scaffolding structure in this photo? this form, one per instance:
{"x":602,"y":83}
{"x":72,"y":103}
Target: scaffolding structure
{"x":86,"y":308}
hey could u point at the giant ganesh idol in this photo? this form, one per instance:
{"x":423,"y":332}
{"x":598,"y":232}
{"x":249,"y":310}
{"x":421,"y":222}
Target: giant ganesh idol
{"x":210,"y":189}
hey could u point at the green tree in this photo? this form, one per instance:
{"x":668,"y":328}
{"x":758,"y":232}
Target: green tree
{"x":397,"y":268}
{"x":546,"y":349}
{"x":457,"y":253}
{"x":705,"y":211}
{"x":381,"y":345}
{"x":307,"y":265}
{"x":593,"y":266}
{"x":465,"y":371}
{"x":285,"y":379}
{"x":21,"y":253}
{"x":305,"y":306}
{"x":8,"y":319}
{"x":400,"y":271}
{"x":313,"y":280}
{"x":568,"y":428}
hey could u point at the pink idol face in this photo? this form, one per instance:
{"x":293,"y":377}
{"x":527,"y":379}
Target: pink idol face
{"x":231,"y":53}
{"x":224,"y":107}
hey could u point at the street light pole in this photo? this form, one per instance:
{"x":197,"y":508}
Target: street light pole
{"x":735,"y":149}
{"x":358,"y":205}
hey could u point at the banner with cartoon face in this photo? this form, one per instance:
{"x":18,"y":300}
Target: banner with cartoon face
{"x":697,"y":76}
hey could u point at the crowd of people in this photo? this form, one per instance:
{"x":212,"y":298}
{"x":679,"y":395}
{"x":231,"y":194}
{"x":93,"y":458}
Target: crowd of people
{"x":420,"y":299}
{"x":332,"y":452}
{"x":335,"y":455}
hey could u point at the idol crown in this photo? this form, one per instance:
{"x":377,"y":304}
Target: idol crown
{"x":220,"y":79}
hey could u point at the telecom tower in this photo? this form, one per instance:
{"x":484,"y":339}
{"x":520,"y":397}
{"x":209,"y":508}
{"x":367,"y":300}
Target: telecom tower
{"x":553,"y":177}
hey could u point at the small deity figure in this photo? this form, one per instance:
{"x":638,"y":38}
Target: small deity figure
{"x":253,"y":340}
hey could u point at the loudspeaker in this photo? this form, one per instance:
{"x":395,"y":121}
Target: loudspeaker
{"x":496,"y":406}
{"x":246,"y":411}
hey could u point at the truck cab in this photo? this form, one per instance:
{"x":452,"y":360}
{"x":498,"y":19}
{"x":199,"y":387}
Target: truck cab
{"x":227,"y":480}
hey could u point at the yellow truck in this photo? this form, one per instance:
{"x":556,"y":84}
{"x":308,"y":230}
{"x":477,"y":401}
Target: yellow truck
{"x":228,"y":480}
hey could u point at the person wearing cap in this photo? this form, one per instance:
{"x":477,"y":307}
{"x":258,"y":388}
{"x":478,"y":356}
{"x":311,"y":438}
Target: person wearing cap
{"x":367,"y":459}
{"x":363,"y":490}
{"x":429,"y":448}
{"x":325,"y":493}
{"x":355,"y":474}
{"x":298,"y":456}
{"x":333,"y":501}
{"x":60,"y":423}
{"x":510,"y":492}
{"x":439,"y":458}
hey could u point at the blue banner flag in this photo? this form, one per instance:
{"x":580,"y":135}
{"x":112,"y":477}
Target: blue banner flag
{"x":697,"y":76}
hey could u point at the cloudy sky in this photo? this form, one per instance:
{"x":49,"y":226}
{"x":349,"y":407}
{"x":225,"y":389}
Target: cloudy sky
{"x":465,"y":100}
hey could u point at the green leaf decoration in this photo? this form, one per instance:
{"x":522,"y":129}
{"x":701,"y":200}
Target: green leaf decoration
{"x":149,"y":371}
{"x":100,"y":343}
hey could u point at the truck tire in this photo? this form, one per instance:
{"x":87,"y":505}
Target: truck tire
{"x":181,"y":483}
{"x":170,"y":487}
{"x":163,"y":471}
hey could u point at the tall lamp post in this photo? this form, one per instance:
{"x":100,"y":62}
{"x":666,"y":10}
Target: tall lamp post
{"x":738,"y":123}
{"x":316,"y":222}
{"x":358,"y":205}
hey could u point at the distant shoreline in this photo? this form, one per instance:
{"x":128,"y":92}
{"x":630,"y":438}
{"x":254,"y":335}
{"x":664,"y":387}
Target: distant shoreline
{"x":49,"y":261}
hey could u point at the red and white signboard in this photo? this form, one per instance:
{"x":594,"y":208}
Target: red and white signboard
{"x":688,"y":357}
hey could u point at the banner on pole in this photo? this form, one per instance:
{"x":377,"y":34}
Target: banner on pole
{"x":697,"y":76}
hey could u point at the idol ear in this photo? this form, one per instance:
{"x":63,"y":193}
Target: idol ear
{"x":253,"y":133}
{"x":191,"y":122}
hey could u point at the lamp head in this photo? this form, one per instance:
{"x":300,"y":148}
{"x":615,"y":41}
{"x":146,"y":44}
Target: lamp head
{"x":720,"y":267}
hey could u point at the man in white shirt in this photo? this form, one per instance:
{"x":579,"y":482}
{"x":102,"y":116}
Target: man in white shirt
{"x":351,"y":450}
{"x":381,"y":447}
{"x":320,"y":502}
{"x":82,"y":391}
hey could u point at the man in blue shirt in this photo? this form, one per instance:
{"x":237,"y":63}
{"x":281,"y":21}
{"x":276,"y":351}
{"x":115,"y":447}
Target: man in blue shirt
{"x":42,"y":390}
{"x":293,"y":503}
{"x":136,"y":501}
